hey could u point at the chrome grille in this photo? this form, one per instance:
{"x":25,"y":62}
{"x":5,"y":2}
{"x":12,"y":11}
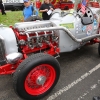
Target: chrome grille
{"x":2,"y":52}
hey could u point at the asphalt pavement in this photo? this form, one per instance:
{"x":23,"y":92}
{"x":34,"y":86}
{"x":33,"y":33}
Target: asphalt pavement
{"x":79,"y":79}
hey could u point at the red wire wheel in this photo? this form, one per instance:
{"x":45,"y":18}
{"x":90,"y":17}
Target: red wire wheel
{"x":36,"y":76}
{"x":40,"y":79}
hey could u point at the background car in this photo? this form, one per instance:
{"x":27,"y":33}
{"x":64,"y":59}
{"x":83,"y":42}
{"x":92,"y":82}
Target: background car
{"x":13,"y":5}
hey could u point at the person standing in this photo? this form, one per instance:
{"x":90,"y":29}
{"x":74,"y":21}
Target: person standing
{"x":29,"y":10}
{"x":45,"y":8}
{"x":2,"y":8}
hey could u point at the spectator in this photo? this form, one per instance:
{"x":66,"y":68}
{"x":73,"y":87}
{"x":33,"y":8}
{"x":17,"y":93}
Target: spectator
{"x":29,"y":10}
{"x":45,"y":7}
{"x":2,"y":8}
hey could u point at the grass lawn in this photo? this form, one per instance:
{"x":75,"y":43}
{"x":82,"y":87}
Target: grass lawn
{"x":11,"y":17}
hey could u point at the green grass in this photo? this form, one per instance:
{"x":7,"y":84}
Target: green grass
{"x":11,"y":18}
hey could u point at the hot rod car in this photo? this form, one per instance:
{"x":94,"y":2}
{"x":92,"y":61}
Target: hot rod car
{"x":28,"y":50}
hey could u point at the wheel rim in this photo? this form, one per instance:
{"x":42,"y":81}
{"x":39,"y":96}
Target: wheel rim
{"x":40,"y":79}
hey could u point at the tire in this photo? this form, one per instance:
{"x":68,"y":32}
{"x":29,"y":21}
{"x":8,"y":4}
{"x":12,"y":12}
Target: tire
{"x":99,"y":49}
{"x":36,"y":76}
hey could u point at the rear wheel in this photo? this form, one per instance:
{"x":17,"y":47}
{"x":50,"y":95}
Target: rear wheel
{"x":36,"y":76}
{"x":99,"y":49}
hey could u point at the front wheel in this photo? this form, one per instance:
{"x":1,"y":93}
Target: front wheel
{"x":36,"y":76}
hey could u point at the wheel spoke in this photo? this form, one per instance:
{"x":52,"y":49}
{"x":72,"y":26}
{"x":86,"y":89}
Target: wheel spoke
{"x":40,"y":79}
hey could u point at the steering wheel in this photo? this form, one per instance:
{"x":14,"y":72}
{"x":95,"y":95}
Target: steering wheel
{"x":88,"y":13}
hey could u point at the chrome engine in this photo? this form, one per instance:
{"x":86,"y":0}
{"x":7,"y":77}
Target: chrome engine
{"x":22,"y":37}
{"x":36,"y":39}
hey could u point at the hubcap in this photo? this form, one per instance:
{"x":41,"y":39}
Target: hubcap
{"x":41,"y":80}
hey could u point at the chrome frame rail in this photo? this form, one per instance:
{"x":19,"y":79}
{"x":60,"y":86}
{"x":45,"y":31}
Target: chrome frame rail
{"x":82,"y":40}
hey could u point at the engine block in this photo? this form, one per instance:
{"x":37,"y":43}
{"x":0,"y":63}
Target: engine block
{"x":31,"y":41}
{"x":32,"y":25}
